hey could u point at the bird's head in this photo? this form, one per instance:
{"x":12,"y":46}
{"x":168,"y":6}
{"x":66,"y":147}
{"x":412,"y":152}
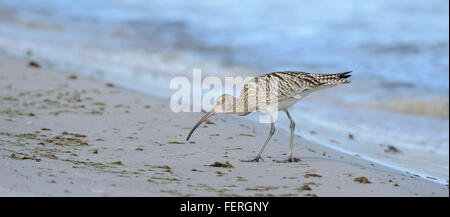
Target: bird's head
{"x":224,"y":104}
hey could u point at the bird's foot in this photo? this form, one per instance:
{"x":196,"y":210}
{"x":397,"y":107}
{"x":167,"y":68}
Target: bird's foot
{"x":256,"y":159}
{"x":289,"y":160}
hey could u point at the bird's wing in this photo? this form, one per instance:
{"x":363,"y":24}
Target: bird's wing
{"x":279,"y":86}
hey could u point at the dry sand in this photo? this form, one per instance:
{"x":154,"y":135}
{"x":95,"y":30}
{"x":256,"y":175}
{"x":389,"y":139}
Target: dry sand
{"x":73,"y":136}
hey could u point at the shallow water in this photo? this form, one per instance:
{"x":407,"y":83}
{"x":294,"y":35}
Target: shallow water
{"x":398,"y":52}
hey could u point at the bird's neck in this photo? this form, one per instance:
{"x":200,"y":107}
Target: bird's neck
{"x":240,"y":108}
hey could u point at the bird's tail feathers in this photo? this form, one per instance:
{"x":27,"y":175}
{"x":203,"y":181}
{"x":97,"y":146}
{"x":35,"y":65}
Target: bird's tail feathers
{"x":343,"y":74}
{"x":333,"y":79}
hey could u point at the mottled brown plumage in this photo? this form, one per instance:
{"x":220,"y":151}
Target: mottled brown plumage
{"x":281,"y":87}
{"x":273,"y":92}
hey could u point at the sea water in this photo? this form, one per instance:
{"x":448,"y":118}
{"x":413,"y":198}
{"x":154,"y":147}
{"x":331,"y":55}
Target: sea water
{"x":398,"y":52}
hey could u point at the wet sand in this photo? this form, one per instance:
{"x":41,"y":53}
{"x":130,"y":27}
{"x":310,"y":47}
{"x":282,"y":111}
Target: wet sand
{"x":65,"y":135}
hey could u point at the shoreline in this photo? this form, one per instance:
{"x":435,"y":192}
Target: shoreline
{"x":379,"y":134}
{"x":123,"y":143}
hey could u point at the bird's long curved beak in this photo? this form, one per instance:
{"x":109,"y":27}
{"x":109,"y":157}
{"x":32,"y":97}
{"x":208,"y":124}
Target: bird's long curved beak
{"x":204,"y":118}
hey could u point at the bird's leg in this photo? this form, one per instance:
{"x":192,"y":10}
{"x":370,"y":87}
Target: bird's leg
{"x":291,"y":139}
{"x":258,"y":156}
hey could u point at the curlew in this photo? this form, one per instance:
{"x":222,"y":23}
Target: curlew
{"x":273,"y":92}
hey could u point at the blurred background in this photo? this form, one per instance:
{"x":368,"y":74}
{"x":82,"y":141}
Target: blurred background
{"x":398,"y":51}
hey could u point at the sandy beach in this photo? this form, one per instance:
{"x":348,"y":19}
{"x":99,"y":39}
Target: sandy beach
{"x":66,"y":135}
